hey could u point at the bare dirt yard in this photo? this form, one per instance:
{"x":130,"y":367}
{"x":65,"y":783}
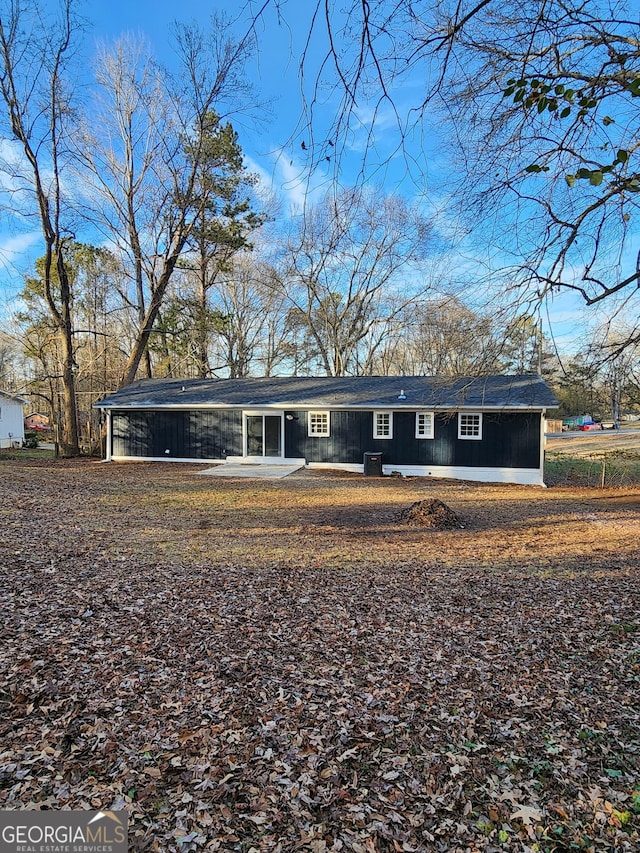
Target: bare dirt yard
{"x":285,"y":665}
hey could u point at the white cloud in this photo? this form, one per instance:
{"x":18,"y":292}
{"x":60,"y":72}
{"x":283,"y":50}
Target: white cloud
{"x":13,"y":249}
{"x":15,"y":254}
{"x":288,"y":181}
{"x":13,"y":161}
{"x":264,"y":187}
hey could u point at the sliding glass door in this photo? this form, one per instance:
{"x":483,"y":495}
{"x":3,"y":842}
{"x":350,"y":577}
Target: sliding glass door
{"x":263,"y":435}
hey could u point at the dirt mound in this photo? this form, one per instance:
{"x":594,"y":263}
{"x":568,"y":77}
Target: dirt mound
{"x":432,"y":513}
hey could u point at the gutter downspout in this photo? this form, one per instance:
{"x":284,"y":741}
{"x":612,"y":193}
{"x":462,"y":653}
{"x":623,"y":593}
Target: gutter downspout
{"x":108,"y":453}
{"x":543,"y":442}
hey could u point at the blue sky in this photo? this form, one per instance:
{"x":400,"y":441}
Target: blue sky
{"x":274,"y":147}
{"x":274,"y":70}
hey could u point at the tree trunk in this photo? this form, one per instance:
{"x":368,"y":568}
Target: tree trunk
{"x":142,"y":339}
{"x":70,"y":442}
{"x":204,"y":368}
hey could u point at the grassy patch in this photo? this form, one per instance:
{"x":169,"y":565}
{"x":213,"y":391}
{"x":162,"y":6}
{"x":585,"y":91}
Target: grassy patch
{"x":23,"y":453}
{"x":618,"y":468}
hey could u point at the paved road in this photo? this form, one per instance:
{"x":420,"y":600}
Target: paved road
{"x":591,"y":433}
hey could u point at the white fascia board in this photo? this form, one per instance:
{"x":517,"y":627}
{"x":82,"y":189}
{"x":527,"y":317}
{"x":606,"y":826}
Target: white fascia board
{"x":369,"y":407}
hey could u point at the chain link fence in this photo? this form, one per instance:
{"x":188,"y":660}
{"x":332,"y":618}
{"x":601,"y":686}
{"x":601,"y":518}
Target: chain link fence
{"x":599,"y":470}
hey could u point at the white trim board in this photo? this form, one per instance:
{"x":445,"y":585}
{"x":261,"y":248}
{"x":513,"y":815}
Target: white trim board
{"x":164,"y":459}
{"x":238,"y":460}
{"x":518,"y":476}
{"x":263,"y":460}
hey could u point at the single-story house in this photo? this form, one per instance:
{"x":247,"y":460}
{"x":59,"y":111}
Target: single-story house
{"x":37,"y":421}
{"x":487,"y":429}
{"x":11,"y":419}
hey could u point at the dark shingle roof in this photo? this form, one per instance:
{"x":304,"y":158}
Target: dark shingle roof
{"x":371,"y":392}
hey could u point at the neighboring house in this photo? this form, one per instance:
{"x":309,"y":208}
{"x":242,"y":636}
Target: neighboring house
{"x":11,"y":419}
{"x":488,"y":429}
{"x":38,"y":422}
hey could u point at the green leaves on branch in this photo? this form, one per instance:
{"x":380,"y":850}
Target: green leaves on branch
{"x":557,"y":99}
{"x":535,"y":169}
{"x":543,"y":96}
{"x":534,"y":95}
{"x":561,"y":101}
{"x":596,"y":176}
{"x":634,"y":88}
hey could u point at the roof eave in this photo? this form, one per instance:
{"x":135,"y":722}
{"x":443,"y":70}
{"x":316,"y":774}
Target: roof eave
{"x":445,"y":407}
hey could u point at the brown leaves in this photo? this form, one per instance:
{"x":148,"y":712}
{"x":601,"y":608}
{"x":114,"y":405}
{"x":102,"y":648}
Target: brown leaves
{"x":527,"y":814}
{"x":403,"y":698}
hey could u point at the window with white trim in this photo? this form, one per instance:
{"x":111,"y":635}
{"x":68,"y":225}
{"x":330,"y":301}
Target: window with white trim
{"x":470,"y":425}
{"x":424,"y":424}
{"x":383,"y":425}
{"x":319,"y":424}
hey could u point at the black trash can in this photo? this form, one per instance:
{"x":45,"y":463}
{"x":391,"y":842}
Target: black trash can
{"x":373,"y":464}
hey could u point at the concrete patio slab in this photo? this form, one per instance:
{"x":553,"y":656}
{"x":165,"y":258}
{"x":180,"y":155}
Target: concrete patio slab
{"x":248,"y":469}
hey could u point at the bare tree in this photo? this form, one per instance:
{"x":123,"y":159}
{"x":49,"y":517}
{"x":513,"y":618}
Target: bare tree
{"x":150,"y":176}
{"x":550,"y":109}
{"x":614,"y":357}
{"x":243,"y":315}
{"x":439,"y":337}
{"x":346,"y":268}
{"x":36,"y":50}
{"x":7,"y":354}
{"x":251,"y":308}
{"x":120,"y":148}
{"x":542,"y":100}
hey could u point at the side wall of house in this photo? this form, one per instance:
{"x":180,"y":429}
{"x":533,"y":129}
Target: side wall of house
{"x":177,"y":434}
{"x":509,"y":440}
{"x":11,"y":422}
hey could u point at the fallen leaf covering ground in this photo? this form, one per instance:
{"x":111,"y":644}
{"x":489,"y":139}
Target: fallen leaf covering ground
{"x":283,"y":665}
